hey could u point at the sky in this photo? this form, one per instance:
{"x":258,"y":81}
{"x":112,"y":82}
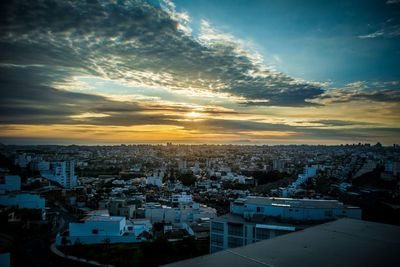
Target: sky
{"x":199,"y":71}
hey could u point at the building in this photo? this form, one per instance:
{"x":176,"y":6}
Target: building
{"x":308,"y":172}
{"x":278,"y":165}
{"x":118,"y":207}
{"x":10,"y":183}
{"x":100,"y":228}
{"x":61,"y":172}
{"x":293,"y":209}
{"x":231,"y":231}
{"x":253,"y":219}
{"x":156,"y":179}
{"x":40,"y":165}
{"x":345,"y":243}
{"x":182,"y":164}
{"x":25,"y":201}
{"x":183,"y":210}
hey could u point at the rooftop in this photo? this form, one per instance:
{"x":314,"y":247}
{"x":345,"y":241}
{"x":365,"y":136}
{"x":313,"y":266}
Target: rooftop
{"x":345,"y":242}
{"x":292,"y":202}
{"x":104,"y":218}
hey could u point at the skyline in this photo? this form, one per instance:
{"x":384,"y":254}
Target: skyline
{"x":269,"y":72}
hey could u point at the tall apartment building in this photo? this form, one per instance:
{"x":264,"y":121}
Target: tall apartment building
{"x":62,"y":172}
{"x":257,"y":218}
{"x":278,"y":165}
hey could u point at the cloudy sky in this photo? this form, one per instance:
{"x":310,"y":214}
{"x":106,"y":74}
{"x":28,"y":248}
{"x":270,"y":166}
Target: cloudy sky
{"x":199,"y":71}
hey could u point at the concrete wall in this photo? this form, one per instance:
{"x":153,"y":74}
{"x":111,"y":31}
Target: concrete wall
{"x":104,"y":228}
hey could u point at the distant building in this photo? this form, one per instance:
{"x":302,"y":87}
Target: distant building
{"x":308,"y":172}
{"x":183,"y":210}
{"x":256,"y":218}
{"x":154,"y":180}
{"x":118,"y":207}
{"x":182,"y":164}
{"x":40,"y":165}
{"x":10,"y":183}
{"x":23,"y":160}
{"x":62,"y":172}
{"x":278,"y":165}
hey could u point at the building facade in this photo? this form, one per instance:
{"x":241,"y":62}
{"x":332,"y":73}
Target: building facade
{"x":253,"y":219}
{"x":61,"y":172}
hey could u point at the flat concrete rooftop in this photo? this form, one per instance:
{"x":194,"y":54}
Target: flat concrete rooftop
{"x":345,"y":242}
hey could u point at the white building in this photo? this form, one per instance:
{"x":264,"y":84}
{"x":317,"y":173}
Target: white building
{"x":100,"y":228}
{"x":156,"y":181}
{"x":278,"y":165}
{"x":182,"y":164}
{"x":178,"y":200}
{"x":62,"y":172}
{"x":308,"y":172}
{"x":118,"y":207}
{"x":183,"y":210}
{"x":294,"y":209}
{"x":10,"y":183}
{"x":256,"y":218}
{"x":230,"y":231}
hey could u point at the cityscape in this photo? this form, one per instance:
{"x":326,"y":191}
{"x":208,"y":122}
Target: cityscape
{"x":199,"y":133}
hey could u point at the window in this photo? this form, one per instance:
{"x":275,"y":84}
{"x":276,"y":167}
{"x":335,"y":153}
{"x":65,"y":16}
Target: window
{"x":217,"y":227}
{"x":263,"y":233}
{"x":235,"y":229}
{"x":95,"y":231}
{"x":258,"y":209}
{"x":215,"y":249}
{"x":217,"y":240}
{"x":234,"y":242}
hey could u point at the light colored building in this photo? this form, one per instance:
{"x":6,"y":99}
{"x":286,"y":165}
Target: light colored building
{"x":293,"y":209}
{"x":118,"y":207}
{"x":156,"y":179}
{"x":278,"y":165}
{"x":181,"y":199}
{"x":308,"y":172}
{"x":253,"y":219}
{"x":182,"y":164}
{"x":10,"y":183}
{"x":183,"y":210}
{"x":231,"y":231}
{"x":62,"y":172}
{"x":101,"y":228}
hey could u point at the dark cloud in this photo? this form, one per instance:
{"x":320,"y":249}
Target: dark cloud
{"x":295,"y":132}
{"x":338,"y":122}
{"x":26,"y":98}
{"x":377,"y":95}
{"x":137,"y":42}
